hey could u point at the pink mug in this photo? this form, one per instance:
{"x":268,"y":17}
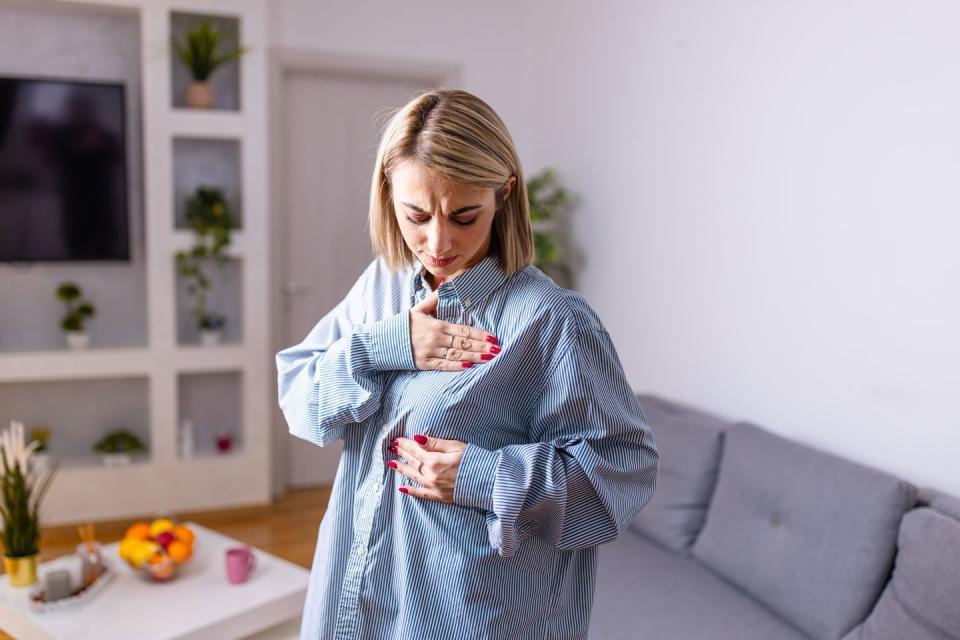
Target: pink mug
{"x":240,"y":562}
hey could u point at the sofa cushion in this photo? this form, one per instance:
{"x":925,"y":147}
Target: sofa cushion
{"x":646,"y":591}
{"x":809,"y":534}
{"x":689,"y":442}
{"x":922,"y":600}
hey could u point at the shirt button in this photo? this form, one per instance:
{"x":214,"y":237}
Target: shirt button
{"x":361,"y":550}
{"x":386,"y":428}
{"x":375,"y":487}
{"x":466,"y":302}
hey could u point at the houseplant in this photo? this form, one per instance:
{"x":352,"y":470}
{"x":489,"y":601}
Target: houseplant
{"x":116,"y":447}
{"x":209,"y":217}
{"x":21,"y":492}
{"x":546,"y":198}
{"x":200,"y":54}
{"x":78,"y":312}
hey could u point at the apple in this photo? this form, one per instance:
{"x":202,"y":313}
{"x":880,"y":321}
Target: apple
{"x":165,"y":538}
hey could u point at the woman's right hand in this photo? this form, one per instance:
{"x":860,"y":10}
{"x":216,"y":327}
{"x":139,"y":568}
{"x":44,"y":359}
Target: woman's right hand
{"x":431,"y":338}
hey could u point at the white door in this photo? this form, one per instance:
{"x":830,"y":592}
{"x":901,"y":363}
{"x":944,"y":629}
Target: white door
{"x":330,"y":126}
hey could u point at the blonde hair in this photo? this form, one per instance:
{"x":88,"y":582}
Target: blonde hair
{"x":459,"y":135}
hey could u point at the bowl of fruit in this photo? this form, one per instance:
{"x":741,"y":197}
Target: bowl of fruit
{"x":156,"y":550}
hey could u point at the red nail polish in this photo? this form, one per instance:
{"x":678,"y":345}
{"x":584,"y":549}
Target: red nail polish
{"x":494,"y":350}
{"x":486,"y":356}
{"x":394,"y":443}
{"x":393,"y":449}
{"x":421,"y":440}
{"x":392,"y":463}
{"x":467,"y":364}
{"x":492,"y":339}
{"x":404,"y":490}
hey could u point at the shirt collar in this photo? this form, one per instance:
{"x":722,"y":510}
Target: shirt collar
{"x":471,"y":286}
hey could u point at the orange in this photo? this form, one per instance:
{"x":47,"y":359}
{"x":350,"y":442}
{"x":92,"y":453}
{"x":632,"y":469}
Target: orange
{"x":184,"y":534}
{"x":138,"y":530}
{"x":179,"y":550}
{"x":155,"y":558}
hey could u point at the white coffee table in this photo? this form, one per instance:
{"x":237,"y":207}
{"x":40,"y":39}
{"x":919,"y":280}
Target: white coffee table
{"x":199,"y":604}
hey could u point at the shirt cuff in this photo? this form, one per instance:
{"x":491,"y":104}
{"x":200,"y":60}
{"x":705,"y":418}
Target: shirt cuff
{"x":390,"y":348}
{"x":473,"y":486}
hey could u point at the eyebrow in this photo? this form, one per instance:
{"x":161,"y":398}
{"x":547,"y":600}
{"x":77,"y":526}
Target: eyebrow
{"x":453,"y":213}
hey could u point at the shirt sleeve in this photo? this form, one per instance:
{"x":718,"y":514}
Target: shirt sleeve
{"x":592,"y":465}
{"x":336,"y":376}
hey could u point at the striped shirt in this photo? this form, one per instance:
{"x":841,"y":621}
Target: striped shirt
{"x":559,"y":458}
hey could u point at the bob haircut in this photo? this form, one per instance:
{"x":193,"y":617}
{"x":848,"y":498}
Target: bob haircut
{"x":458,"y":134}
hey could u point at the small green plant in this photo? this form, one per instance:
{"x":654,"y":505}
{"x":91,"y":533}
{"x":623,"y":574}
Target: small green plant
{"x":21,"y":492}
{"x":546,"y":197}
{"x":200,"y":51}
{"x":41,"y":437}
{"x":78,"y":309}
{"x":209,"y":217}
{"x":119,"y":441}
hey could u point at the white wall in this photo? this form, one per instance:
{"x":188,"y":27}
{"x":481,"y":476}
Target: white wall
{"x":482,"y":39}
{"x":770,"y":208}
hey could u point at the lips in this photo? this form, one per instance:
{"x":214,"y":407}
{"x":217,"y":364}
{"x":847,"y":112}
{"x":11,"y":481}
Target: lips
{"x":440,"y":263}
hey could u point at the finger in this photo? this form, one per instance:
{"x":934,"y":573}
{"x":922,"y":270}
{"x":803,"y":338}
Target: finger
{"x":420,"y":492}
{"x":411,"y":452}
{"x":468,"y":338}
{"x":407,"y":471}
{"x":443,"y":364}
{"x":439,"y":445}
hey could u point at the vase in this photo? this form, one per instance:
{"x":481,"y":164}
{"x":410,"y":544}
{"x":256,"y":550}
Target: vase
{"x":22,"y":571}
{"x":200,"y":94}
{"x":77,"y":339}
{"x":211,"y":337}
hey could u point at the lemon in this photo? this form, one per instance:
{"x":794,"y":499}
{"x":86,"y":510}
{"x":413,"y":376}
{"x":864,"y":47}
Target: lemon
{"x":160,"y":525}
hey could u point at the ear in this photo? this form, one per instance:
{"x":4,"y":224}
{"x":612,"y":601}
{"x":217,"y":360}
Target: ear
{"x":508,"y":187}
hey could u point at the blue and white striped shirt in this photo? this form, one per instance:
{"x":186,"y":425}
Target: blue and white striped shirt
{"x":559,"y":459}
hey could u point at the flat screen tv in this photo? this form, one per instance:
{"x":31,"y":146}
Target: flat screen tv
{"x":63,"y":171}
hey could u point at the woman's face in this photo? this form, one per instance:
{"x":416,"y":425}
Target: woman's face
{"x":440,"y":219}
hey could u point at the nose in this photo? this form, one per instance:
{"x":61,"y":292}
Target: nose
{"x":438,"y":239}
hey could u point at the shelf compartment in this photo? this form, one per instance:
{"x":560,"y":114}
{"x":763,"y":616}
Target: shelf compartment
{"x":212,"y":402}
{"x":211,"y":163}
{"x":225,"y":80}
{"x":78,"y":413}
{"x":224,"y":296}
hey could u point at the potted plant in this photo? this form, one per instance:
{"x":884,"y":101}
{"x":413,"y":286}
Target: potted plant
{"x":21,"y":492}
{"x":210,"y":326}
{"x":201,"y":56}
{"x":78,"y":312}
{"x":40,"y":459}
{"x":546,"y":197}
{"x":116,"y":447}
{"x":209,"y":217}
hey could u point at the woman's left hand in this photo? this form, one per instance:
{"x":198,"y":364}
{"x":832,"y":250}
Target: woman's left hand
{"x":438,"y":474}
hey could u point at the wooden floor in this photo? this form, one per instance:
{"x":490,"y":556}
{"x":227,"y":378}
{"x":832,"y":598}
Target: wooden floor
{"x":287,"y":528}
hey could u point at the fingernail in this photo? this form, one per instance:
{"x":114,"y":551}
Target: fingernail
{"x":468,"y":364}
{"x":421,"y":440}
{"x":392,"y":463}
{"x":494,"y":349}
{"x":492,"y":339}
{"x":403,"y":490}
{"x":394,"y":443}
{"x":486,"y":356}
{"x":393,"y":449}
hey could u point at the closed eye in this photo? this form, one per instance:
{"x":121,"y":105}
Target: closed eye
{"x":462,"y":223}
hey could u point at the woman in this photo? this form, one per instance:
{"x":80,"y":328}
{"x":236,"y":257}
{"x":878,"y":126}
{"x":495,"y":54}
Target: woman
{"x":490,"y":437}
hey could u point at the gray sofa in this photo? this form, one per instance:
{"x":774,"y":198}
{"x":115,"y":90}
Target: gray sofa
{"x":754,"y":536}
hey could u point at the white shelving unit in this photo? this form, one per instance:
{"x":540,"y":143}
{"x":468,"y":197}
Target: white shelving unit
{"x":86,"y":490}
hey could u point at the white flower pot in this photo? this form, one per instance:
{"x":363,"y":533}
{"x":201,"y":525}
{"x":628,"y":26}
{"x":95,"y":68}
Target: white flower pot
{"x":116,"y":459}
{"x":211,"y":337}
{"x":77,"y":339}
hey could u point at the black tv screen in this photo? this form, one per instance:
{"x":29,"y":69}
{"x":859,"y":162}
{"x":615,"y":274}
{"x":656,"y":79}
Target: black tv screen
{"x":63,"y":171}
